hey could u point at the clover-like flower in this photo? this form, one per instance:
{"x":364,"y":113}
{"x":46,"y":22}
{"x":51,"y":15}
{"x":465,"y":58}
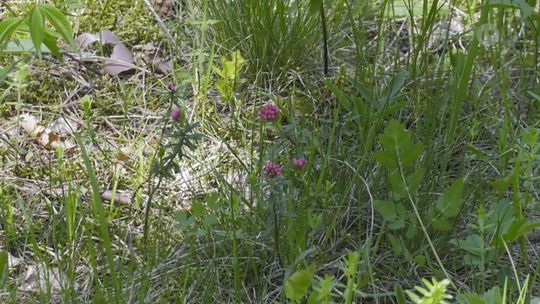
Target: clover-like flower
{"x":272,"y":169}
{"x":299,"y":163}
{"x":171,"y":87}
{"x":269,"y":112}
{"x":176,"y":113}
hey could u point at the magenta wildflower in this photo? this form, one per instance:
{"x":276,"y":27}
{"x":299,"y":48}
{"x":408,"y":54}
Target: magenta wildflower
{"x":299,"y":163}
{"x":272,"y":169}
{"x":176,"y":113}
{"x":269,"y":112}
{"x":171,"y":87}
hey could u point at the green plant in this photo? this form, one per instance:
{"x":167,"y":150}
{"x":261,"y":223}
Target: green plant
{"x":229,"y":75}
{"x":44,"y":23}
{"x":182,"y":137}
{"x":492,"y":296}
{"x":494,"y":231}
{"x":434,"y":292}
{"x":229,"y":79}
{"x":297,"y":285}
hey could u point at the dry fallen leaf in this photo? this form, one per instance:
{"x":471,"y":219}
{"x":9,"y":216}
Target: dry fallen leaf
{"x":121,"y":60}
{"x":108,"y":37}
{"x":13,"y":261}
{"x":154,"y":55}
{"x":85,"y":40}
{"x":39,"y":278}
{"x":43,"y":135}
{"x":120,"y":198}
{"x":64,"y":126}
{"x":162,"y":65}
{"x":165,"y":7}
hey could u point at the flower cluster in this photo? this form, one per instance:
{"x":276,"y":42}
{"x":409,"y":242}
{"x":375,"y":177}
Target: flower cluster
{"x":299,"y":163}
{"x":176,"y":113}
{"x":269,"y":112}
{"x":272,"y":169}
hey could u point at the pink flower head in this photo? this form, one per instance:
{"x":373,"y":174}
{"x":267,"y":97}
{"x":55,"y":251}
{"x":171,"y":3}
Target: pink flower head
{"x":271,"y":169}
{"x":269,"y":112}
{"x":171,"y":87}
{"x":299,"y":163}
{"x":176,"y":113}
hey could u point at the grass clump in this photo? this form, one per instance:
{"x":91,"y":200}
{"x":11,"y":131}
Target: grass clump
{"x":275,"y":36}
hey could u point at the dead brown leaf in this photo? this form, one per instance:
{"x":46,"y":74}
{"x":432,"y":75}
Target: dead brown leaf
{"x":46,"y":137}
{"x":120,"y":198}
{"x":85,"y":40}
{"x":108,"y":37}
{"x":121,"y":61}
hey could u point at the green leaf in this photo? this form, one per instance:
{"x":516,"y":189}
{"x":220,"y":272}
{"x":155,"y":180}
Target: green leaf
{"x":7,"y":27}
{"x":400,"y":295}
{"x":314,"y":298}
{"x":212,"y":200}
{"x":393,"y":88}
{"x":393,"y":213}
{"x":366,"y":94}
{"x":399,"y":189}
{"x":59,"y":22}
{"x":414,"y":180}
{"x":5,"y":71}
{"x":500,"y":217}
{"x":412,"y":230}
{"x":395,"y":136}
{"x":450,"y":203}
{"x":386,"y":111}
{"x":471,"y":298}
{"x":519,"y":229}
{"x":398,"y":223}
{"x":493,"y":296}
{"x":340,"y":95}
{"x":51,"y":44}
{"x":22,"y":46}
{"x":410,"y":156}
{"x":387,"y":159}
{"x":442,"y":224}
{"x":502,"y":184}
{"x":403,"y":215}
{"x":386,"y":209}
{"x":397,"y":245}
{"x":473,"y":244}
{"x":211,"y":219}
{"x":522,"y":5}
{"x":298,"y":283}
{"x":37,"y":28}
{"x":197,"y":209}
{"x":218,"y":71}
{"x":420,"y":260}
{"x":315,"y":6}
{"x":4,"y":268}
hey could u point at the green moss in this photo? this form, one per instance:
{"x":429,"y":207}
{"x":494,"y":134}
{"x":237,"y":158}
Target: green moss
{"x":130,"y":20}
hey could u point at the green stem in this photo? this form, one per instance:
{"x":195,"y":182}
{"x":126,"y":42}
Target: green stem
{"x":419,"y":218}
{"x":276,"y":228}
